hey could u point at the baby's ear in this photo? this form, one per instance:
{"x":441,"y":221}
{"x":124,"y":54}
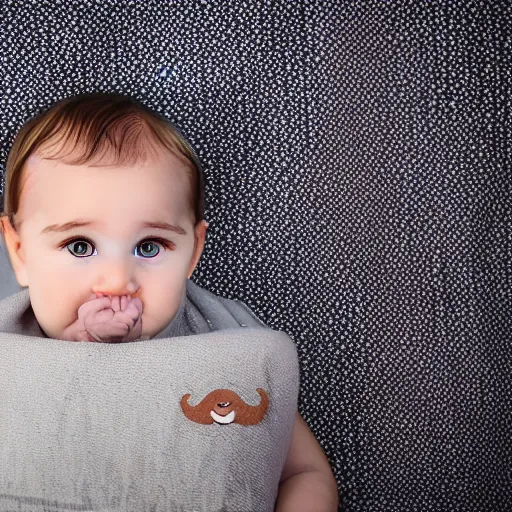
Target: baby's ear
{"x":14,"y":250}
{"x":3,"y":219}
{"x":199,"y":236}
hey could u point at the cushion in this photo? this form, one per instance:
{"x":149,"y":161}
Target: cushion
{"x":199,"y":422}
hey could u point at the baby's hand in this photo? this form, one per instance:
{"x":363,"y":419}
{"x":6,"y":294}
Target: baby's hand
{"x":107,"y":320}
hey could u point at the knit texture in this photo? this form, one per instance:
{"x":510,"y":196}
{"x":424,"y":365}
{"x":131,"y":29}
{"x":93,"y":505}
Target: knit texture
{"x":102,"y":427}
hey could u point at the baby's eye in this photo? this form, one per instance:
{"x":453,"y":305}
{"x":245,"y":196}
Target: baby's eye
{"x":78,"y":248}
{"x":148,"y":248}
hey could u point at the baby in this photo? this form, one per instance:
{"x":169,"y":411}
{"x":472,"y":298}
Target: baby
{"x":112,"y":234}
{"x":103,"y":222}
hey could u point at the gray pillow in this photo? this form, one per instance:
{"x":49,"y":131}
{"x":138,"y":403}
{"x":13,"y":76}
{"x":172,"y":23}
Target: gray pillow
{"x":106,"y":427}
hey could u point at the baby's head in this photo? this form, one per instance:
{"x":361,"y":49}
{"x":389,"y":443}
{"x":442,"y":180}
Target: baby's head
{"x":102,"y":196}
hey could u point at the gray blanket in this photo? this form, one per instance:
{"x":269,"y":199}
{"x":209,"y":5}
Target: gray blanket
{"x":114,"y":427}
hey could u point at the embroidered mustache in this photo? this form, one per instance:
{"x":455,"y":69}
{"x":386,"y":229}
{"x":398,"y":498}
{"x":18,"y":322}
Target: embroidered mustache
{"x":224,"y":406}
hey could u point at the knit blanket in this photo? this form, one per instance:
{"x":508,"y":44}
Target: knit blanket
{"x":198,"y":418}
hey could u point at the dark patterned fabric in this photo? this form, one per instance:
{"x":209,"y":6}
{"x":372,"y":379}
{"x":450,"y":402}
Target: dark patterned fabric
{"x":358,"y":173}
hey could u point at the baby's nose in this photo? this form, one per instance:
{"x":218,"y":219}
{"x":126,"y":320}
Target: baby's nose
{"x":115,"y":276}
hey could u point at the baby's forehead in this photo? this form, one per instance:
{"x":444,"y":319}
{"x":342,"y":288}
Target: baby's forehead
{"x":163,"y":177}
{"x":164,"y":180}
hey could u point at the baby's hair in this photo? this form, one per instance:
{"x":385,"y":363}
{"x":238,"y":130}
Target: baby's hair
{"x":104,"y":125}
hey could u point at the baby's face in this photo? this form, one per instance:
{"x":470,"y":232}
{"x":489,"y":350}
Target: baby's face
{"x":116,"y":253}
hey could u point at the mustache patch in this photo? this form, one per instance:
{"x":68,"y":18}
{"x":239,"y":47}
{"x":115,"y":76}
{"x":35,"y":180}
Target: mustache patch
{"x":224,"y":406}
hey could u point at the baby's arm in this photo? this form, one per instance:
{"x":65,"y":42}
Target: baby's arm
{"x":307,"y":483}
{"x":107,"y":319}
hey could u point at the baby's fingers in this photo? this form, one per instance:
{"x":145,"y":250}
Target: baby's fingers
{"x":111,"y":332}
{"x":93,"y":306}
{"x":124,"y":302}
{"x":135,"y":305}
{"x":119,"y":302}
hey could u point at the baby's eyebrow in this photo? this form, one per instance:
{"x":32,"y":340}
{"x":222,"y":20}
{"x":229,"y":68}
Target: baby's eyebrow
{"x":67,"y":226}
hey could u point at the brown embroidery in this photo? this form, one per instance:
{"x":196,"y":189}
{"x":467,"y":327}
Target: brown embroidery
{"x":224,"y":406}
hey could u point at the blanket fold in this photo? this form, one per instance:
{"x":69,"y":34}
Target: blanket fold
{"x":198,"y":418}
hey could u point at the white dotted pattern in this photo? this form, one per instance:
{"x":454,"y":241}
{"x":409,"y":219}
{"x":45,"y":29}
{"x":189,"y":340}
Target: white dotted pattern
{"x":357,"y":164}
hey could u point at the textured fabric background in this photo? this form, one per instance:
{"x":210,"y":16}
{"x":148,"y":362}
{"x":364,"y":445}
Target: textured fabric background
{"x":358,"y":172}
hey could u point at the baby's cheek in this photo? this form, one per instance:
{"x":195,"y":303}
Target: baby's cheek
{"x":56,"y":297}
{"x":54,"y":314}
